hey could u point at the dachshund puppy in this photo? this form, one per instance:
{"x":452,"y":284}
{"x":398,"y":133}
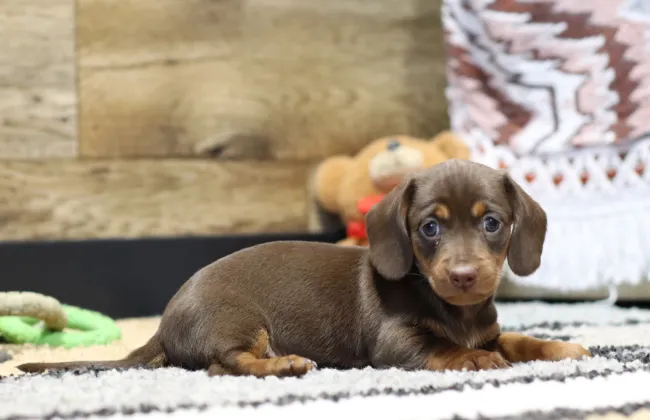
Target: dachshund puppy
{"x":421,"y":296}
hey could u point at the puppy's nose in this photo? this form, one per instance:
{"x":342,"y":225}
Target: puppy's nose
{"x":463,"y":276}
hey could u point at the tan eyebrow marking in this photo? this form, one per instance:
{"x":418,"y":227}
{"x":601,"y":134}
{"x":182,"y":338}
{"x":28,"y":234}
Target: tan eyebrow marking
{"x":441,"y":211}
{"x":478,"y":209}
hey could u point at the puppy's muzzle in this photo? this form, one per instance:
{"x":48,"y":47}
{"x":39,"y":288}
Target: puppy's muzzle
{"x":463,"y":277}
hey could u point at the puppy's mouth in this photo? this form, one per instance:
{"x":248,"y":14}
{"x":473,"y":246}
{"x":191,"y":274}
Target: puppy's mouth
{"x":461,"y":296}
{"x":466,"y":299}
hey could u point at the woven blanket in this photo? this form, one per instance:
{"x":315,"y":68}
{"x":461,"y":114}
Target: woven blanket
{"x":558,"y":93}
{"x":616,"y":380}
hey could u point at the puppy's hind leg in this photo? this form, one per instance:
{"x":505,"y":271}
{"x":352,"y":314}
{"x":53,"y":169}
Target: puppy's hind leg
{"x":235,"y":340}
{"x":217,"y":369}
{"x":254,"y":361}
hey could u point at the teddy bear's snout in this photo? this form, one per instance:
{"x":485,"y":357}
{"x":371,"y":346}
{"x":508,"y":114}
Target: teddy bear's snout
{"x":389,"y":167}
{"x":396,"y":158}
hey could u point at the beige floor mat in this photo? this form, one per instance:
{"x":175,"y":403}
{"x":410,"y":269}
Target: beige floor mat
{"x":135,"y":332}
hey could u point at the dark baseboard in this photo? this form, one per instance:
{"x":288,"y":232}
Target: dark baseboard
{"x":122,"y":278}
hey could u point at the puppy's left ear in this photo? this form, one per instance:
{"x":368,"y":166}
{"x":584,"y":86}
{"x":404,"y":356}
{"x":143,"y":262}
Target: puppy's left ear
{"x":387,"y":228}
{"x":527,"y":241}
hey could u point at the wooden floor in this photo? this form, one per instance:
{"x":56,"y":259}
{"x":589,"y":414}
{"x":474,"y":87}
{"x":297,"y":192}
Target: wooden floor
{"x":155,"y":117}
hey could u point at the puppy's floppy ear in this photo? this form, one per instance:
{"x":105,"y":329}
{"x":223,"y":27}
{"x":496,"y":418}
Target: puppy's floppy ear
{"x":388,"y":237}
{"x":527,"y":241}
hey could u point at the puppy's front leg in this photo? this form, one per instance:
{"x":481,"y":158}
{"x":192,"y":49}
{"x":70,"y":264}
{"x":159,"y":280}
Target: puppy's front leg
{"x":458,"y":358}
{"x":517,"y":348}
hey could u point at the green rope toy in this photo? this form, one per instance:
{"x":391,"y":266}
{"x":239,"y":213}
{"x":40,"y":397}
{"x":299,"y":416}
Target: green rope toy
{"x":33,"y":318}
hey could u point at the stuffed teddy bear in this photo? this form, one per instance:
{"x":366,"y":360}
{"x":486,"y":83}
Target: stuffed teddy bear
{"x":348,"y":186}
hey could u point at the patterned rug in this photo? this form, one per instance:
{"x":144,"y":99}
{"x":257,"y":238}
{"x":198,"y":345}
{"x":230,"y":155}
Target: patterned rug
{"x":615,"y":383}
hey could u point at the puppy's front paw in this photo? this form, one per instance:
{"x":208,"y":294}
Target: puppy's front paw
{"x":291,"y":365}
{"x":559,"y":350}
{"x":473,"y":360}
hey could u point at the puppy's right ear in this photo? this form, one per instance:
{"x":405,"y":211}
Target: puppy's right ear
{"x":388,"y":236}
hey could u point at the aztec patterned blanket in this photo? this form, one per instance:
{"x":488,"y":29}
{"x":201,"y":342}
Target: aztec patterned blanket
{"x":617,"y":380}
{"x":558,"y":92}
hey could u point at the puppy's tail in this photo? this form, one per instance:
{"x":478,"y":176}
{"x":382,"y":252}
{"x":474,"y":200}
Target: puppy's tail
{"x":151,"y":355}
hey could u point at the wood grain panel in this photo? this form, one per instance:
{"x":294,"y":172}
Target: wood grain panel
{"x":37,"y":86}
{"x":285,"y":79}
{"x":69,"y":199}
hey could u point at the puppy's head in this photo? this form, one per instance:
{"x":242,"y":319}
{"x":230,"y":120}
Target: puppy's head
{"x":457,"y":222}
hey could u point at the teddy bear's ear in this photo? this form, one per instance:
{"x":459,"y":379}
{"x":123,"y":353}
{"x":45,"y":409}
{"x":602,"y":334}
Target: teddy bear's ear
{"x":451,"y":145}
{"x":327,"y":181}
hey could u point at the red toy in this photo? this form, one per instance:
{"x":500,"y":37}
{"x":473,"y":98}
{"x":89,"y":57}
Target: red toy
{"x":357,"y":230}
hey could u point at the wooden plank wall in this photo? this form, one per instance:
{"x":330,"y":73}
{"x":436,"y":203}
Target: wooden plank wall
{"x":37,"y":79}
{"x":165,"y":117}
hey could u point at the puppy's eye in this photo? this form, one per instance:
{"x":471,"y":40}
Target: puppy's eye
{"x":490,"y":224}
{"x":430,"y":228}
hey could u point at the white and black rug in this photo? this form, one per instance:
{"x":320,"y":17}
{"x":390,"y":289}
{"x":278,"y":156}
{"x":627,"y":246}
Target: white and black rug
{"x":617,"y":380}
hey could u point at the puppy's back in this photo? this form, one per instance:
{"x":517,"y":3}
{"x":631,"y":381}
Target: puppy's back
{"x":286,"y":265}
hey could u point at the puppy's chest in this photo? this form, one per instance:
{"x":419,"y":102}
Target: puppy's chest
{"x":467,"y":335}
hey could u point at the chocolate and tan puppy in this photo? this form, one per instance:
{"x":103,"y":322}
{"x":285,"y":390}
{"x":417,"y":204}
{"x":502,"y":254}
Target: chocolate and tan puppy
{"x":420,"y":297}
